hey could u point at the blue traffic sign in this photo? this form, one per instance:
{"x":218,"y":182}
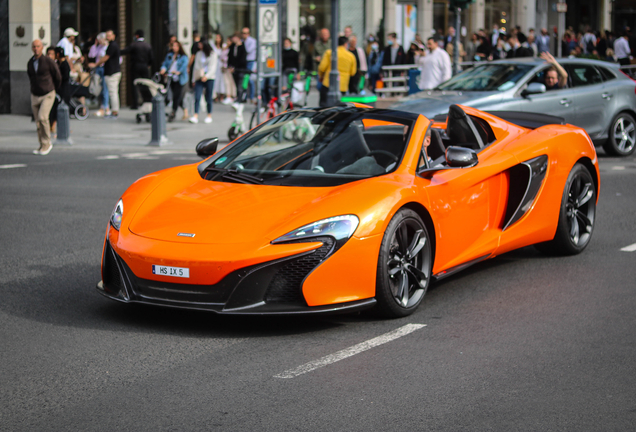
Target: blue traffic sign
{"x":268,"y":2}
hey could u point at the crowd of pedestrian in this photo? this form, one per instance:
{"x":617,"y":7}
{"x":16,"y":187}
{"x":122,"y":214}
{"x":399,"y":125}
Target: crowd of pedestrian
{"x":214,"y":69}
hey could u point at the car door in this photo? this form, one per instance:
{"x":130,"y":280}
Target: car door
{"x":467,"y":206}
{"x":590,"y":100}
{"x":554,"y":102}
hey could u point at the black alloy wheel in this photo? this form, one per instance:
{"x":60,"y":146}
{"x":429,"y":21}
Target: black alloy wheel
{"x":577,"y":215}
{"x":404,"y":265}
{"x":622,"y":136}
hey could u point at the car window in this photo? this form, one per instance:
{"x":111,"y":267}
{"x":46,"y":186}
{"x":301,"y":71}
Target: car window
{"x":539,"y":77}
{"x":584,"y":75}
{"x":607,"y":74}
{"x":500,"y":77}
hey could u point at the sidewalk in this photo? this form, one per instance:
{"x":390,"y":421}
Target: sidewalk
{"x":18,"y":133}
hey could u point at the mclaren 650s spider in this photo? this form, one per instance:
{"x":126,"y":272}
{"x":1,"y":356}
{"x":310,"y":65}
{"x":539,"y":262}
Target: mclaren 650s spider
{"x":349,"y":207}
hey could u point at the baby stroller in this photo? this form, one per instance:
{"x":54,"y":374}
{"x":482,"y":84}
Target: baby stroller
{"x":148,"y":88}
{"x":77,"y":90}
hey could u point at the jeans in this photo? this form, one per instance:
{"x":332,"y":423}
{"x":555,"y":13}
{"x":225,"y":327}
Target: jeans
{"x":104,"y":94}
{"x":177,"y":95}
{"x":198,"y":91}
{"x":268,"y":90}
{"x":251,"y":65}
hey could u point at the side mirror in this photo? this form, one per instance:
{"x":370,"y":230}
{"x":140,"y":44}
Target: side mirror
{"x":461,"y":157}
{"x":533,"y":88}
{"x":207,"y":147}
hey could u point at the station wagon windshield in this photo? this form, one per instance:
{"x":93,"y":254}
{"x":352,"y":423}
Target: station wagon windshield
{"x":313,"y":148}
{"x":490,"y":77}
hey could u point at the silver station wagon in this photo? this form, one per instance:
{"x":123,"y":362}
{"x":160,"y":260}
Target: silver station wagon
{"x":599,"y":97}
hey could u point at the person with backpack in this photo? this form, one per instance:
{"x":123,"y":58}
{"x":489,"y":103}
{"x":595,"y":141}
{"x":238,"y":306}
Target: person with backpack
{"x":588,"y":41}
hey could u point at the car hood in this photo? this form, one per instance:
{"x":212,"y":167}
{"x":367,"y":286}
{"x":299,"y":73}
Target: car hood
{"x":219,"y":212}
{"x":231,"y":213}
{"x":433,"y":102}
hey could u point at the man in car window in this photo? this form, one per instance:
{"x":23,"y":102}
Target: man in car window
{"x":555,"y":77}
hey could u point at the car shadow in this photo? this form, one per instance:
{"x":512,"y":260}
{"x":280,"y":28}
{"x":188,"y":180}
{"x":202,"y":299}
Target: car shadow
{"x":66,"y":296}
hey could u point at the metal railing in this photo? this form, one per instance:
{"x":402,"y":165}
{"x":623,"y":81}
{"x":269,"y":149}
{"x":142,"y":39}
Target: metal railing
{"x":397,"y":78}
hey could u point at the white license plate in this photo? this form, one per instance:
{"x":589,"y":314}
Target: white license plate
{"x":171,"y":271}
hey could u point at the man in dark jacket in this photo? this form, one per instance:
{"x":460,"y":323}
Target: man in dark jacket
{"x":516,"y":50}
{"x":237,"y":62}
{"x":393,"y":53}
{"x":45,"y":77}
{"x":140,"y":59}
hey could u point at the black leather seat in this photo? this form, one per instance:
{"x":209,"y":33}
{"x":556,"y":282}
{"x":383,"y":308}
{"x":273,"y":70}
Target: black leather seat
{"x":436,"y":149}
{"x":461,"y":130}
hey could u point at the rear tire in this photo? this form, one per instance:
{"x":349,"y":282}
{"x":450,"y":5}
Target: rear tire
{"x":232,"y":133}
{"x":576,"y":217}
{"x":622,"y":136}
{"x":253,"y":120}
{"x":404,"y":265}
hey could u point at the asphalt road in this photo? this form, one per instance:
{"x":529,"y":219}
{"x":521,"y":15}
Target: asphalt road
{"x":521,"y":342}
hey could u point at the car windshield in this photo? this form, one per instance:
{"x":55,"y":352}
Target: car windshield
{"x":314,"y":148}
{"x":490,"y":77}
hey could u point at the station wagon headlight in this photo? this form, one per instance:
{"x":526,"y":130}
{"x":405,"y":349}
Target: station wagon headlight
{"x":118,"y":213}
{"x":338,"y":227}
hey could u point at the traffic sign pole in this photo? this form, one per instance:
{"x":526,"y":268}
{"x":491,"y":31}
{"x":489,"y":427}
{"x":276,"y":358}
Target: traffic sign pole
{"x":333,"y":96}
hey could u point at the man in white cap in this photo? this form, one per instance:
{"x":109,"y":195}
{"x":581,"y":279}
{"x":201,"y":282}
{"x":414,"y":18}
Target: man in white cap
{"x":67,"y":41}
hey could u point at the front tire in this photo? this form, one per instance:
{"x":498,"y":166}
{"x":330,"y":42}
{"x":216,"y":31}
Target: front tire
{"x":577,"y":215}
{"x":404,"y":265}
{"x":622,"y":136}
{"x":81,"y":112}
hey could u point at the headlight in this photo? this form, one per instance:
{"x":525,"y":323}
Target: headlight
{"x":338,"y":227}
{"x":118,"y":213}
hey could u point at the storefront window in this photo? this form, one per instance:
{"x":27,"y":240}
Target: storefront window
{"x":440,"y":18}
{"x":498,"y":12}
{"x":226,"y":16}
{"x":317,"y":13}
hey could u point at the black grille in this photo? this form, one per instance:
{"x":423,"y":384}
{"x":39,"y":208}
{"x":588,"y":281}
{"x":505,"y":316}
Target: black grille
{"x":112,"y":277}
{"x":286,"y":286}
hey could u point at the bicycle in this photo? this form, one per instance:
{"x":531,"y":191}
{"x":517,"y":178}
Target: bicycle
{"x":272,"y":107}
{"x":238,"y":125}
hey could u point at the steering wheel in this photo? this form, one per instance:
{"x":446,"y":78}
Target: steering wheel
{"x":390,"y":155}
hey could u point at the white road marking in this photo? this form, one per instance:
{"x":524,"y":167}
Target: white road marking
{"x":351,"y":351}
{"x":187,"y":158}
{"x":630,"y":248}
{"x":134,"y":155}
{"x":167,"y":152}
{"x":12,"y":166}
{"x":108,"y":157}
{"x":618,"y":168}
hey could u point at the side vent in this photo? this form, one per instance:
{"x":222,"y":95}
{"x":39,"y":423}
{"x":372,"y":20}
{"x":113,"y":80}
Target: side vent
{"x":525,"y":181}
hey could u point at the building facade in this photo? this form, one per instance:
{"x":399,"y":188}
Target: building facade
{"x":21,"y":21}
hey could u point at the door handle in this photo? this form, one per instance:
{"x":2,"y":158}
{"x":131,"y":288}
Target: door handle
{"x":607,"y":96}
{"x":565,"y":102}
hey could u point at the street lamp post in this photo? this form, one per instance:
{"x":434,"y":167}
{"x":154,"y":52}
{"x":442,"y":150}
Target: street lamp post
{"x":333,"y":96}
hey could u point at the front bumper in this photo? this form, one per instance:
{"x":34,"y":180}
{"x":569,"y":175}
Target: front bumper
{"x":273,"y":287}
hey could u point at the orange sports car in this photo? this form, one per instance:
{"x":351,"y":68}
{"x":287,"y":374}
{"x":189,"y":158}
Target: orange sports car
{"x":349,"y":207}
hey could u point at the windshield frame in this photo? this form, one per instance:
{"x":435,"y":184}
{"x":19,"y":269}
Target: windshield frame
{"x":301,"y":177}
